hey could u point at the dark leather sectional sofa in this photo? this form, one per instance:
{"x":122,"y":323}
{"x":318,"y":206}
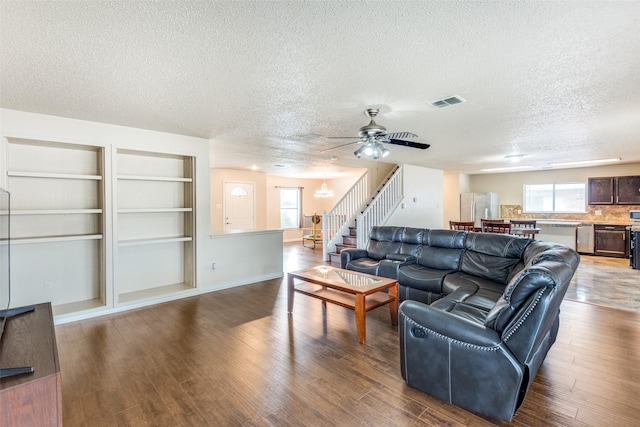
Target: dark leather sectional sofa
{"x":478,"y":313}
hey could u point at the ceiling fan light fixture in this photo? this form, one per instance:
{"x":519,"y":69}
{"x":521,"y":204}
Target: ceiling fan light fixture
{"x":515,"y":158}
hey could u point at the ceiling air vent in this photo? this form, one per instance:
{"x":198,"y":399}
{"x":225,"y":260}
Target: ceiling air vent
{"x":445,"y":102}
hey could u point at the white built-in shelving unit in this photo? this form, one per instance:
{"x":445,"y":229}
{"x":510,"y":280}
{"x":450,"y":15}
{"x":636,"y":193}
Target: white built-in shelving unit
{"x":57,"y":223}
{"x":155,"y":225}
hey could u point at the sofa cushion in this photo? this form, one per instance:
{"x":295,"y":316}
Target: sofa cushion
{"x":452,"y":239}
{"x":439,"y":258}
{"x":493,"y":256}
{"x":364,"y":265}
{"x":423,"y":278}
{"x":479,"y":292}
{"x":384,"y":241}
{"x":468,"y":303}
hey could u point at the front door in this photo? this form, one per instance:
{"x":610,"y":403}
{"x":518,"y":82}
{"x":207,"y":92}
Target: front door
{"x":239,"y":210}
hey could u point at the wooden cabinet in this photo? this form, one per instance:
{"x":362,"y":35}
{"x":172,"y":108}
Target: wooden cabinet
{"x":628,"y":190}
{"x":620,"y":190}
{"x":601,"y":191}
{"x":611,"y":240}
{"x":31,"y":399}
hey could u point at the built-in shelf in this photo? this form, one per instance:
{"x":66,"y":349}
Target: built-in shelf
{"x":53,"y":175}
{"x":153,"y":210}
{"x":74,"y":307}
{"x":58,"y":234}
{"x":154,"y":216}
{"x":153,"y":241}
{"x":50,"y":239}
{"x":155,"y":292}
{"x":154,"y":178}
{"x":52,"y":211}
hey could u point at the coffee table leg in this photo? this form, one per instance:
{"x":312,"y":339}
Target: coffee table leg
{"x":393,"y":307}
{"x":290,"y":293}
{"x":361,"y":325}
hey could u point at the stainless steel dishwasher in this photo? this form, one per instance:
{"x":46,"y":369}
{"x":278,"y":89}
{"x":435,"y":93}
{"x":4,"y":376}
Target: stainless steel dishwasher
{"x":585,"y":239}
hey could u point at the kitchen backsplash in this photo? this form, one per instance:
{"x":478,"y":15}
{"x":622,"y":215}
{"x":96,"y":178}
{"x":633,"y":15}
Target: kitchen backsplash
{"x":614,"y":214}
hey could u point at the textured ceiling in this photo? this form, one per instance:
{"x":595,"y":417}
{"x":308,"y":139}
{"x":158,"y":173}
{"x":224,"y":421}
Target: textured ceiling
{"x":266,"y":82}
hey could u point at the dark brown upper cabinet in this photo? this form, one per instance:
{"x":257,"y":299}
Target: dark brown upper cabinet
{"x":628,"y":190}
{"x":620,"y":190}
{"x":601,"y":191}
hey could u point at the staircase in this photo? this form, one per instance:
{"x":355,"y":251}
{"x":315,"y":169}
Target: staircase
{"x":348,"y":241}
{"x":354,"y":232}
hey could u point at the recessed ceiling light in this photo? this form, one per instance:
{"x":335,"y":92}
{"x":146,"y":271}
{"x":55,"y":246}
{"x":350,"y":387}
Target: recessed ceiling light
{"x":587,"y":162}
{"x":512,"y":168}
{"x":334,"y":158}
{"x":279,"y":166}
{"x":254,"y":167}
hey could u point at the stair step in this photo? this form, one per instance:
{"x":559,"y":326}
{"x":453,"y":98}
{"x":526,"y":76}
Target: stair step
{"x":334,"y":258}
{"x":340,"y":247}
{"x":349,"y":240}
{"x":353,"y":231}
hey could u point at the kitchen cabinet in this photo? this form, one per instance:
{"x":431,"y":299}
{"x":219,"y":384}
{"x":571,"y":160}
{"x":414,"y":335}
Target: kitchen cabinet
{"x":628,"y":190}
{"x":601,"y":191}
{"x":611,"y":240}
{"x":619,"y":190}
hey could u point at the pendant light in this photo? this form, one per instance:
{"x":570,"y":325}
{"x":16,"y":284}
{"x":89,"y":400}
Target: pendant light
{"x":324,"y":191}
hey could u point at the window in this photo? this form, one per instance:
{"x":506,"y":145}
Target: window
{"x":566,"y":197}
{"x":289,"y":208}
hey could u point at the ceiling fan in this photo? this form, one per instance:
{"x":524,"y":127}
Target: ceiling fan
{"x":373,"y":135}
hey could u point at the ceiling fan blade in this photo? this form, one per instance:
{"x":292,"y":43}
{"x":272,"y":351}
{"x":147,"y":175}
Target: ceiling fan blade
{"x":401,"y":135}
{"x":341,"y":145}
{"x":409,"y":144}
{"x":340,"y":137}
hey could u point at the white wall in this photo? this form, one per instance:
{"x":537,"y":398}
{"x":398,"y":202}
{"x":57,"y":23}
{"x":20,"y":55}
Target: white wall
{"x":423,"y":199}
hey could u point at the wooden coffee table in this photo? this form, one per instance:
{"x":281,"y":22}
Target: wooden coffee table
{"x":356,"y":291}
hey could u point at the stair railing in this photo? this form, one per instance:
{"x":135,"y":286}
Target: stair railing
{"x":387,"y":199}
{"x":336,"y":222}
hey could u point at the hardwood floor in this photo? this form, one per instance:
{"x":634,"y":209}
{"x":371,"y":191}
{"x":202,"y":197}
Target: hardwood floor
{"x":234,"y":357}
{"x":606,"y":281}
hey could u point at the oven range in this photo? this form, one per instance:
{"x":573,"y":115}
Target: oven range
{"x":634,"y":246}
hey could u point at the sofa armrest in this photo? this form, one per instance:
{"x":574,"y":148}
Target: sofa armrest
{"x":350,"y":254}
{"x":448,"y":325}
{"x":403,"y":258}
{"x":390,"y":267}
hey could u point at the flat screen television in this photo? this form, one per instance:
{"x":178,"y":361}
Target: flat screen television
{"x":6,"y":311}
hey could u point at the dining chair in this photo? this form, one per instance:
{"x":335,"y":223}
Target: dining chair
{"x":462,"y":225}
{"x":496,"y":227}
{"x":485,"y":222}
{"x":523,"y":225}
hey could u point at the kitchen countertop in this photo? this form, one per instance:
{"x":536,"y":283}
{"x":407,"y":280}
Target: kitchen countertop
{"x":574,"y":223}
{"x":558,"y":223}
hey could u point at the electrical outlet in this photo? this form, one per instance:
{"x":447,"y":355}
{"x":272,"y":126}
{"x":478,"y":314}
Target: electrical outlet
{"x":48,"y":286}
{"x":598,"y":212}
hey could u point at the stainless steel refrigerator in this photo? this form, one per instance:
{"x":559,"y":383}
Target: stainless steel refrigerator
{"x":474,"y":206}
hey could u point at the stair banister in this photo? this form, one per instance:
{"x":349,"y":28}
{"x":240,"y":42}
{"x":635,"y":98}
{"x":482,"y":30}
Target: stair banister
{"x":387,"y":199}
{"x":337,"y":220}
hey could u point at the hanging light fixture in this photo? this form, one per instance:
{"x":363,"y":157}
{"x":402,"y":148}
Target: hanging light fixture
{"x":324,"y":191}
